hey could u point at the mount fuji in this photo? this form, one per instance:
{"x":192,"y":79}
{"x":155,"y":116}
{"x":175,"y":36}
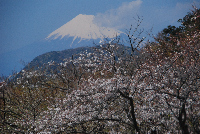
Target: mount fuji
{"x":79,"y":32}
{"x":82,"y":27}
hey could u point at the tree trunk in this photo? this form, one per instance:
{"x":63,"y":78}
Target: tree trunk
{"x":182,"y":120}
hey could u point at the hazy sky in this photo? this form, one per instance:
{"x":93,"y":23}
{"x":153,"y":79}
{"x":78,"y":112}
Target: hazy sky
{"x":23,"y":22}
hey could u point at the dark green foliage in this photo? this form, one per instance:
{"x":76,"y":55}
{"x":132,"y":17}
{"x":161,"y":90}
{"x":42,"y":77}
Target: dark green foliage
{"x":171,"y":31}
{"x":191,"y":20}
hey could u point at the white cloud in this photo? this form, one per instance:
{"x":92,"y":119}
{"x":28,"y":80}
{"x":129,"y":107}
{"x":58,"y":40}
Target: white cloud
{"x":119,"y":18}
{"x":173,"y":14}
{"x":154,"y":14}
{"x":181,"y":10}
{"x":159,"y":17}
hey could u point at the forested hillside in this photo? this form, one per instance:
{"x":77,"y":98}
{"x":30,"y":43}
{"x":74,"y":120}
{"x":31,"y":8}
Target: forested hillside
{"x":111,"y":88}
{"x":58,"y":57}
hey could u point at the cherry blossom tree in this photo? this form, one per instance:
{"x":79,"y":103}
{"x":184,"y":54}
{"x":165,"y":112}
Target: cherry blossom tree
{"x":173,"y":72}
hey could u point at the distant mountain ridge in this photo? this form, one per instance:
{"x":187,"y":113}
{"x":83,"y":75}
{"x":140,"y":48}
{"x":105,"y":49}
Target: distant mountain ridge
{"x":56,"y":56}
{"x":60,"y":56}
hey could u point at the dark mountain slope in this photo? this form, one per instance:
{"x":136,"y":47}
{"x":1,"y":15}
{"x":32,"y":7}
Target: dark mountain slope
{"x":59,"y":56}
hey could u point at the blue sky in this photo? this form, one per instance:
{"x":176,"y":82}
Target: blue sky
{"x":23,"y":22}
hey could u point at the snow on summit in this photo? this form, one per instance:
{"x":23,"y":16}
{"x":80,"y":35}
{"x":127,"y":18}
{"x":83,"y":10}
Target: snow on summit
{"x":82,"y":26}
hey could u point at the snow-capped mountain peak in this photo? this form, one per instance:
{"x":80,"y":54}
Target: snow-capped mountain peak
{"x":83,"y":27}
